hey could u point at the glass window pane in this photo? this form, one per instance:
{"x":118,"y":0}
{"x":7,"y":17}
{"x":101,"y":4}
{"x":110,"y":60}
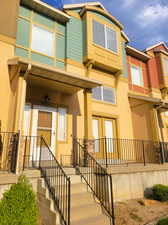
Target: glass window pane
{"x":136,"y":76}
{"x":95,"y":127}
{"x":46,"y":135}
{"x":109,"y":95}
{"x":45,"y":119}
{"x":109,"y":134}
{"x":62,"y":124}
{"x":166,"y":66}
{"x":96,"y":93}
{"x":111,"y":39}
{"x":42,"y":40}
{"x":98,"y":33}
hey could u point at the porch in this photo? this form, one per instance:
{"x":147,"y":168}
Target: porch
{"x":48,"y":102}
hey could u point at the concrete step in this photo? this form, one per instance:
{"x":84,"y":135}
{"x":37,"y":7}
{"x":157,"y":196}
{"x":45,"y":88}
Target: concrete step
{"x":75,"y":179}
{"x":78,"y":188}
{"x":69,"y":170}
{"x":80,"y":199}
{"x":98,"y":220}
{"x":85,"y":211}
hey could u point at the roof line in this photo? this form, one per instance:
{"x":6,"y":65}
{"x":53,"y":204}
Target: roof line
{"x":153,"y":46}
{"x":80,"y":5}
{"x":138,"y":51}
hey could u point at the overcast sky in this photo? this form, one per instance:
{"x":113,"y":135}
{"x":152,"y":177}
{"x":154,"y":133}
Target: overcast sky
{"x":145,"y":21}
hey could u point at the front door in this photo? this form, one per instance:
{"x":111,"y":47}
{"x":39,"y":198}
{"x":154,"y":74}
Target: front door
{"x":104,"y":134}
{"x":43,"y":124}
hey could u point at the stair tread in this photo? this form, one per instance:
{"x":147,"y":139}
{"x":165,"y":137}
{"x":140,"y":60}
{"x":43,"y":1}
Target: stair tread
{"x":85,"y":211}
{"x":94,"y":220}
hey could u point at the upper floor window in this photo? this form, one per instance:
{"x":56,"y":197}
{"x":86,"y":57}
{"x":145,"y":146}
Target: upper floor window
{"x":136,"y":76}
{"x":42,"y":40}
{"x":104,"y":94}
{"x":166,"y":66}
{"x":104,"y":36}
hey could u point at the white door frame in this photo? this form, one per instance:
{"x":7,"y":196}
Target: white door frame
{"x":35,"y":110}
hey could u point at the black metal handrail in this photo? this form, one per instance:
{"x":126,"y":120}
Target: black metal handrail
{"x":57,"y":181}
{"x":8,"y":151}
{"x":96,"y":177}
{"x":111,"y":151}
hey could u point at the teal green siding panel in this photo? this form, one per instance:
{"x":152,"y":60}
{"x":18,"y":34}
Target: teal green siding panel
{"x":104,"y":18}
{"x":60,"y":46}
{"x":41,"y":19}
{"x":60,"y":65}
{"x":21,"y":52}
{"x":84,"y":38}
{"x":75,"y":39}
{"x":42,"y":59}
{"x":61,"y":27}
{"x":23,"y":11}
{"x":125,"y":67}
{"x":23,"y":32}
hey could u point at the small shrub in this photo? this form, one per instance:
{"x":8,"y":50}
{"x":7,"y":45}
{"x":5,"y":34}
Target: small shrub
{"x":160,"y":192}
{"x":163,"y":222}
{"x":18,"y":205}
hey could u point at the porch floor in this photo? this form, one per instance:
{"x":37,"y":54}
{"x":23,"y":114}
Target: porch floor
{"x":135,"y":168}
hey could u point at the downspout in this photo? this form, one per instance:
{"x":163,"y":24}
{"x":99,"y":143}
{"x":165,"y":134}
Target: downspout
{"x":159,"y":132}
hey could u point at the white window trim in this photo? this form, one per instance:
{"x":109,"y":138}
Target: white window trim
{"x":102,"y":95}
{"x":58,"y":138}
{"x":141,"y":76}
{"x":105,"y":35}
{"x":165,"y":66}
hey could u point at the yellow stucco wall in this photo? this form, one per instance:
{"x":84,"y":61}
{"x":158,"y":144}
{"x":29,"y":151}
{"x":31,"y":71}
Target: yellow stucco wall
{"x":6,"y":52}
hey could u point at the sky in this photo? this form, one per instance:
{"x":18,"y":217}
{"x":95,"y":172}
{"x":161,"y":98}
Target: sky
{"x":145,"y":21}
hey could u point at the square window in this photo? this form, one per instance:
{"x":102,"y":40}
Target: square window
{"x":136,"y":76}
{"x":42,"y":40}
{"x":166,"y":66}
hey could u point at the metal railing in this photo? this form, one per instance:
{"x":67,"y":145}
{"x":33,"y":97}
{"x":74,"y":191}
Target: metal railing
{"x":37,"y":154}
{"x":31,"y":146}
{"x":57,"y":181}
{"x":108,"y":151}
{"x":96,"y":177}
{"x":8,"y":151}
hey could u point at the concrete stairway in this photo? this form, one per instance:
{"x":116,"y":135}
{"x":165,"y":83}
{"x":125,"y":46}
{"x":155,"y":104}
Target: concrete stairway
{"x":84,"y":209}
{"x":48,"y":215}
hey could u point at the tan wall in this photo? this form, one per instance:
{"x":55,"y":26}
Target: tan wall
{"x":143,"y":120}
{"x":137,"y":185}
{"x":8,"y":12}
{"x":120,"y":110}
{"x":6,"y":52}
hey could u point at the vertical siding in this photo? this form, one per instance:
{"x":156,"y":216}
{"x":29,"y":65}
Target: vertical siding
{"x":23,"y":32}
{"x":75,"y":40}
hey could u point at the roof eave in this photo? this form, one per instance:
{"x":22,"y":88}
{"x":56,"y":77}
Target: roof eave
{"x":46,"y":9}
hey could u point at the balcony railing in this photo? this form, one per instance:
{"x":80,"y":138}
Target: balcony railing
{"x":8,"y":151}
{"x":97,"y":179}
{"x":108,"y":151}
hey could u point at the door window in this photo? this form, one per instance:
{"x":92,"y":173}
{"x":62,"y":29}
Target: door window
{"x":44,"y":126}
{"x":95,"y":125}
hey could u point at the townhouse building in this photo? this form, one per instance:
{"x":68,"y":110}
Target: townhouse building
{"x":74,"y":93}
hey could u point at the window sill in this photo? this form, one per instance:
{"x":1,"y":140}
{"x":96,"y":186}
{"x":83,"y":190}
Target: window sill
{"x":105,"y":49}
{"x":103,"y":102}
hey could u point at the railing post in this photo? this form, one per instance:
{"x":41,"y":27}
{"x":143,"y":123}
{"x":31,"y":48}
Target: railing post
{"x":41,"y":138}
{"x":69,"y":200}
{"x":143,"y":149}
{"x":105,"y":145}
{"x":162,"y":153}
{"x":112,"y":199}
{"x":24,"y":159}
